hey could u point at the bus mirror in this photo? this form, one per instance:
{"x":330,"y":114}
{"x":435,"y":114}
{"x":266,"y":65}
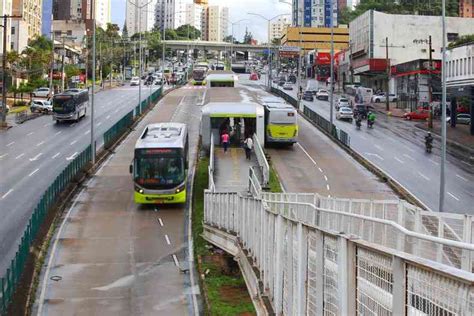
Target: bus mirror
{"x":130,"y":169}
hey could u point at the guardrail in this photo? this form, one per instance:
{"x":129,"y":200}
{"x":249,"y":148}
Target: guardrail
{"x":9,"y":282}
{"x":254,"y":183}
{"x":210,"y":168}
{"x":262,"y":160}
{"x":309,"y":260}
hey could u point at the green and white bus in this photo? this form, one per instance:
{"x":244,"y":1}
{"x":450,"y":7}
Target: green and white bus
{"x":281,"y":122}
{"x":160,"y":165}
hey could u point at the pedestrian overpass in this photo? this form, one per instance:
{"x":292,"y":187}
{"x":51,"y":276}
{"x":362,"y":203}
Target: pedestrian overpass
{"x":216,"y":46}
{"x":304,"y":254}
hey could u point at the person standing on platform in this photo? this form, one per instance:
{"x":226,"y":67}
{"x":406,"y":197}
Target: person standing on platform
{"x":248,"y":145}
{"x":225,"y":140}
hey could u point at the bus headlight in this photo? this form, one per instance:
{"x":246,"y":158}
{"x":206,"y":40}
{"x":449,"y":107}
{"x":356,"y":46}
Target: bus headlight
{"x":139,"y":190}
{"x":180,"y":188}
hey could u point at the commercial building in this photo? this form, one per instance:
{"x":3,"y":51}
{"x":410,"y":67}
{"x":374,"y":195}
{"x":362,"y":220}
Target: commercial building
{"x":316,"y":38}
{"x":5,"y":9}
{"x":170,"y":14}
{"x":216,"y":23}
{"x":460,"y":77}
{"x":278,"y":28}
{"x":314,"y":13}
{"x":408,"y":50}
{"x":466,"y":8}
{"x":147,"y":16}
{"x":29,"y":25}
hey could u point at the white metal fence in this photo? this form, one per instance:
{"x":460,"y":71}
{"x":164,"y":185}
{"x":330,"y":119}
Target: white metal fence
{"x":262,"y":160}
{"x":317,"y":261}
{"x":210,"y":168}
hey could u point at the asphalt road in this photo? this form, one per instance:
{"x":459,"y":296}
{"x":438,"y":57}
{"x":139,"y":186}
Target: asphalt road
{"x":114,"y":257}
{"x":406,"y":161}
{"x":34,"y":153}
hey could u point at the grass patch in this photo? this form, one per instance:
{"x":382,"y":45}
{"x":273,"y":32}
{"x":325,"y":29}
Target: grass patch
{"x":224,"y":287}
{"x":274,"y":183}
{"x":17,"y":109}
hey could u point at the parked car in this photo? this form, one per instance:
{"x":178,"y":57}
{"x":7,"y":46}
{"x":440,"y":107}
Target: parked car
{"x":345,"y":113}
{"x":463,"y":118}
{"x":254,"y":76}
{"x":381,"y":97}
{"x":419,"y":114}
{"x":342,"y":102}
{"x":308,"y":96}
{"x":41,"y":106}
{"x":135,"y":81}
{"x":287,"y":86}
{"x":41,"y":92}
{"x":322,"y":94}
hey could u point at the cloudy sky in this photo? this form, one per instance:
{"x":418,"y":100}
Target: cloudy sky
{"x":238,"y":10}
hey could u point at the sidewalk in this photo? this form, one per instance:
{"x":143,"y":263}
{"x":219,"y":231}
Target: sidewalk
{"x":460,"y":135}
{"x":394,"y":111}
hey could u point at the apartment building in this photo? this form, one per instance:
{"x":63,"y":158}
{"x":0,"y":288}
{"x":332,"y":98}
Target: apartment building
{"x":195,"y":15}
{"x":316,"y":13}
{"x":29,"y":25}
{"x":147,"y":13}
{"x":171,"y":14}
{"x":466,"y":8}
{"x":5,"y":9}
{"x":278,"y":28}
{"x":217,"y":23}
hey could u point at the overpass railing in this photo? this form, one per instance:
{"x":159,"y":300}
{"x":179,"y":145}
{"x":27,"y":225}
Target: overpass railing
{"x":262,"y":160}
{"x":312,"y":260}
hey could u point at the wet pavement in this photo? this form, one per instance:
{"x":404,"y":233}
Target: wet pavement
{"x":232,"y":169}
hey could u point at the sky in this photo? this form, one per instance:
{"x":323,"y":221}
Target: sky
{"x":238,"y":10}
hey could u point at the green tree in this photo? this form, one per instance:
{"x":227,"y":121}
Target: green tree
{"x":230,"y":39}
{"x":171,"y":34}
{"x":72,"y":70}
{"x":188,"y":32}
{"x":463,"y":40}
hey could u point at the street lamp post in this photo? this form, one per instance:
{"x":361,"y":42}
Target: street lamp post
{"x":443,"y":113}
{"x":93,"y":89}
{"x":232,"y":39}
{"x":331,"y":93}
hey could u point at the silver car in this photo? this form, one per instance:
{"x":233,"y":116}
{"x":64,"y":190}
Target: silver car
{"x":41,"y":92}
{"x":345,"y":113}
{"x":41,"y":106}
{"x":463,"y":118}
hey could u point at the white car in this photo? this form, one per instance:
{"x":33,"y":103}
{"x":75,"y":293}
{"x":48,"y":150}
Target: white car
{"x":381,"y":97}
{"x":41,"y":106}
{"x":135,"y":81}
{"x":287,"y":86}
{"x":322,"y":94}
{"x":41,"y":92}
{"x":342,"y":102}
{"x":345,"y":113}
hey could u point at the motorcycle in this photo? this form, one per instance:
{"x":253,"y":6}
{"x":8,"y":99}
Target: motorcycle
{"x":428,"y":147}
{"x":358,"y":124}
{"x":370,"y":124}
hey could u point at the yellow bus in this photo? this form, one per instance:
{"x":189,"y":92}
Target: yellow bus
{"x":281,"y":122}
{"x":160,"y":164}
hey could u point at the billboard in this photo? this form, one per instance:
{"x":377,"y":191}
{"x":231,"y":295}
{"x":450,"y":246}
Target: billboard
{"x":289,"y":51}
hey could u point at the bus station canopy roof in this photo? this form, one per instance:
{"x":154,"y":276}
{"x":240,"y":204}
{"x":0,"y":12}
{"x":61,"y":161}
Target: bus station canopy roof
{"x":233,"y":109}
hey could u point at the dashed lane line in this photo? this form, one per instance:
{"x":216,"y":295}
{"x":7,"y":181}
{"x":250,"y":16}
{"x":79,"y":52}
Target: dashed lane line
{"x":167,"y":240}
{"x":72,"y":156}
{"x":73,"y":142}
{"x":19,"y":156}
{"x":107,"y":117}
{"x":453,"y":196}
{"x":57,"y":154}
{"x":423,"y":176}
{"x":398,"y":159}
{"x":307,"y":154}
{"x":36,"y":157}
{"x":87,"y":132}
{"x":320,"y":170}
{"x":434,"y":162}
{"x":327,"y":187}
{"x":29,"y":134}
{"x":409,"y":157}
{"x":99,"y":124}
{"x":6,"y":194}
{"x":58,"y":133}
{"x":161,"y":222}
{"x":378,"y":147}
{"x":4,"y":155}
{"x":325,"y":178}
{"x":40,"y":143}
{"x":32,"y":173}
{"x":461,"y":177}
{"x":9,"y":144}
{"x":175,"y":259}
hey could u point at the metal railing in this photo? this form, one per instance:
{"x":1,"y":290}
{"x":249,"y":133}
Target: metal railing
{"x":210,"y":168}
{"x":262,"y":160}
{"x":9,"y":282}
{"x":254,"y":184}
{"x":311,"y":261}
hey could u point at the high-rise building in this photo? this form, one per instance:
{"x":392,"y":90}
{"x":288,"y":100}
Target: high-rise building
{"x":278,"y":27}
{"x":28,"y":26}
{"x":194,"y":15}
{"x":316,"y":13}
{"x":102,"y":13}
{"x":81,"y":11}
{"x":216,"y":23}
{"x":170,"y":14}
{"x":147,"y":12}
{"x":466,"y":8}
{"x":5,"y":9}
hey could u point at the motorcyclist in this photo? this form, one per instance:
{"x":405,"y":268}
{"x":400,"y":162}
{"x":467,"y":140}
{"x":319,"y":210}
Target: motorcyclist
{"x":359,"y":120}
{"x":370,"y":119}
{"x":429,"y":142}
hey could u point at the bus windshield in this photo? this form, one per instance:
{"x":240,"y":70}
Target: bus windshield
{"x":158,"y":172}
{"x":63,"y":104}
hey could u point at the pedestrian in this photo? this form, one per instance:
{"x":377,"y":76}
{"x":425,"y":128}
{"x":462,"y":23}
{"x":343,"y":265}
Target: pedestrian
{"x":248,"y":145}
{"x":225,"y":140}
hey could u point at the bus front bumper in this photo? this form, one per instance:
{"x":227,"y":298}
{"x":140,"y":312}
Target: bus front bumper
{"x":176,"y":198}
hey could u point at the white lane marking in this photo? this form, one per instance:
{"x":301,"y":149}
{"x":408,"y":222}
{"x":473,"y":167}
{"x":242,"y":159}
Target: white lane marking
{"x":176,"y":262}
{"x":307,"y":154}
{"x":73,"y":142}
{"x":167,"y":240}
{"x":327,"y":187}
{"x":325,"y":178}
{"x":30,"y":133}
{"x":107,"y":117}
{"x":72,"y":156}
{"x":375,"y":155}
{"x":40,"y":143}
{"x":116,"y":111}
{"x":378,"y":147}
{"x":58,"y":133}
{"x":6,"y":194}
{"x":434,"y":162}
{"x":461,"y":177}
{"x":409,"y":157}
{"x":36,"y":157}
{"x":32,"y":173}
{"x":4,"y":155}
{"x":57,"y":154}
{"x":161,"y":222}
{"x":87,"y":132}
{"x":46,"y":125}
{"x":320,"y":170}
{"x":398,"y":159}
{"x":453,"y":196}
{"x":9,"y":144}
{"x":99,"y":124}
{"x":423,"y":176}
{"x":19,"y":156}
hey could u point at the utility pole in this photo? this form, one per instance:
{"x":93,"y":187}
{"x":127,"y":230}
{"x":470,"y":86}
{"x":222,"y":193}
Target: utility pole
{"x":63,"y":53}
{"x":430,"y":84}
{"x":331,"y":93}
{"x":387,"y":61}
{"x":4,"y":68}
{"x":443,"y":113}
{"x":52,"y":65}
{"x":93,"y":85}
